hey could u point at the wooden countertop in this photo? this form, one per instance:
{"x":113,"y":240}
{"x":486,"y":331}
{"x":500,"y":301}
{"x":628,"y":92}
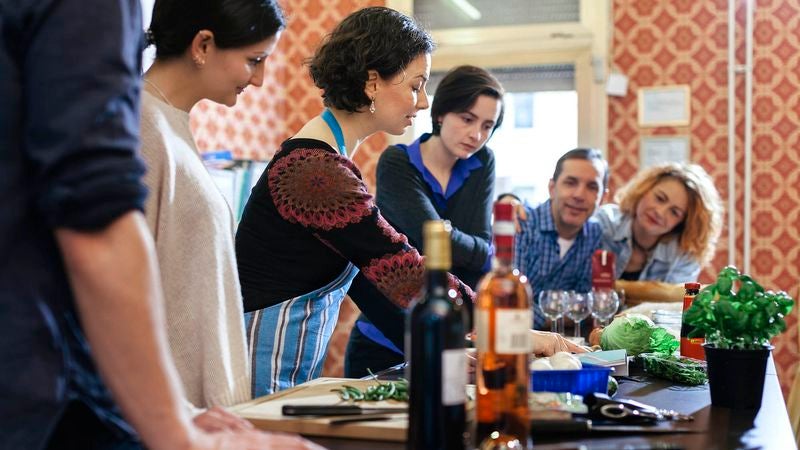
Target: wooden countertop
{"x":717,"y":428}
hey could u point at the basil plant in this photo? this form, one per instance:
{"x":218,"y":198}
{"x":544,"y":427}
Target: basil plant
{"x":737,"y":313}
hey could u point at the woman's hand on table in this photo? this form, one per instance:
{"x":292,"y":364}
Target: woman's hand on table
{"x":222,"y":430}
{"x":251,"y":440}
{"x":546,"y":343}
{"x":219,"y":419}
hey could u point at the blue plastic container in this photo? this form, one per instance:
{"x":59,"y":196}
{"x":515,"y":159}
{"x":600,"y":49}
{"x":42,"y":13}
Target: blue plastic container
{"x":587,"y":380}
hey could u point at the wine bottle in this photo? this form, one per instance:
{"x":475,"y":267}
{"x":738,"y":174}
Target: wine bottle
{"x":503,"y":318}
{"x":435,"y":347}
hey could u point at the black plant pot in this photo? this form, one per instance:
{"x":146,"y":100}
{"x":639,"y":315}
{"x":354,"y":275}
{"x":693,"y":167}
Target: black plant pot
{"x":736,"y":377}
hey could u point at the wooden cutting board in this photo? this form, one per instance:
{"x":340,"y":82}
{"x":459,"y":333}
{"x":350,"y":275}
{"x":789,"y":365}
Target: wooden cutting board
{"x":265,"y":412}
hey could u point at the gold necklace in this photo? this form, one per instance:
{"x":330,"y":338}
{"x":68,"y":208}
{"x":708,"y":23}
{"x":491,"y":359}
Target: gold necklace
{"x":159,"y":92}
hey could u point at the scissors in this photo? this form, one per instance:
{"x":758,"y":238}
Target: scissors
{"x":620,"y":412}
{"x":630,"y":411}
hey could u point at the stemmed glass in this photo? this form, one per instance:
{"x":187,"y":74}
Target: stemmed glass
{"x":606,"y":304}
{"x":579,"y":307}
{"x":552,"y":306}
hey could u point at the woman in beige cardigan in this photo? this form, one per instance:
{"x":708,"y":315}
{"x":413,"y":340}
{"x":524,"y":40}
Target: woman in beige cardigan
{"x":212,"y":50}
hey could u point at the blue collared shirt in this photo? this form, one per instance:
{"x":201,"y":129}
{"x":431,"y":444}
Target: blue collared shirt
{"x":459,"y":174}
{"x":666,"y":263}
{"x":538,"y":255}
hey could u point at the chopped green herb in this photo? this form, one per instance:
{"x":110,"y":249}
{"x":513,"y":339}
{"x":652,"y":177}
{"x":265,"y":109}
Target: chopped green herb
{"x":387,"y":390}
{"x":675,"y":368}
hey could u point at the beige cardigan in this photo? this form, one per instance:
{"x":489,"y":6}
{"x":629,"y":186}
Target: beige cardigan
{"x":193,"y":229}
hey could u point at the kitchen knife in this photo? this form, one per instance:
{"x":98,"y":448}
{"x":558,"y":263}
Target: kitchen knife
{"x":540,"y":427}
{"x":336,"y":410}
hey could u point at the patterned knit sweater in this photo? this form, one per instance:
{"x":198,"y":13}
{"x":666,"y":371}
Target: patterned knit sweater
{"x":308,"y":215}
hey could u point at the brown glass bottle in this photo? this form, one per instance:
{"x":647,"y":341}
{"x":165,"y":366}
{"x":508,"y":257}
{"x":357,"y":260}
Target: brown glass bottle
{"x":690,"y":347}
{"x":503,"y":317}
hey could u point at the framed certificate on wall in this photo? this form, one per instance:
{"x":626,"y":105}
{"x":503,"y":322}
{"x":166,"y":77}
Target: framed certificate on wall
{"x":662,"y":106}
{"x":657,"y":150}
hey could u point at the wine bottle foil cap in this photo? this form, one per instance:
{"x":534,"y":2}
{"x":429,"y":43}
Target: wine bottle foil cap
{"x":503,"y":212}
{"x":692,"y":285}
{"x":436,"y":235}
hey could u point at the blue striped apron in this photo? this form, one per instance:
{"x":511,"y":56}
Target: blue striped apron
{"x":288,"y":341}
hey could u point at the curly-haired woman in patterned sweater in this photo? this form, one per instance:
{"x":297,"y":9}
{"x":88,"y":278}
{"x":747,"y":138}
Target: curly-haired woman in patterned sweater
{"x":310,"y":224}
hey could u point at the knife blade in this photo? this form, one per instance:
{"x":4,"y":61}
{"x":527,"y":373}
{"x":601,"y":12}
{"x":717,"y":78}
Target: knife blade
{"x":336,"y":410}
{"x":362,"y":418}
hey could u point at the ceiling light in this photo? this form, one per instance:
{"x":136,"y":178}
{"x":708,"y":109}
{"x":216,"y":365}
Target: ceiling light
{"x":467,"y":8}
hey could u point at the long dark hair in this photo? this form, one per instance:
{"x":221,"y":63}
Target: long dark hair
{"x":235,"y":23}
{"x":374,"y":38}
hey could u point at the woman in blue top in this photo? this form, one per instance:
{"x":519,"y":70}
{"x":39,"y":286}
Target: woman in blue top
{"x":665,"y":225}
{"x":447,"y":174}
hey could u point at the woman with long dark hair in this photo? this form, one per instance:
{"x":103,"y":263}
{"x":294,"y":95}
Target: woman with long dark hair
{"x":210,"y":49}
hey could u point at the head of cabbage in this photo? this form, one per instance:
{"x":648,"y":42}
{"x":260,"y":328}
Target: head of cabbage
{"x":637,"y":334}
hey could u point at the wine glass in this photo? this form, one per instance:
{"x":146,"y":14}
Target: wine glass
{"x":552,"y":306}
{"x":606,"y":304}
{"x":579,"y":307}
{"x":562,"y":328}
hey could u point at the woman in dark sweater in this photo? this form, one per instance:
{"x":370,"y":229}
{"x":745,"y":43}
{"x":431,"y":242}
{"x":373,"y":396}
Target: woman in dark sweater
{"x":447,"y":174}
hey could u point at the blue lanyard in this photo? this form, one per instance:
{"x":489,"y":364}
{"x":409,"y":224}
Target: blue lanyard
{"x":327,"y":116}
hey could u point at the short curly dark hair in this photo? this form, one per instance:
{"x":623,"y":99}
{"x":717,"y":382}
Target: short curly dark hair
{"x":374,"y":38}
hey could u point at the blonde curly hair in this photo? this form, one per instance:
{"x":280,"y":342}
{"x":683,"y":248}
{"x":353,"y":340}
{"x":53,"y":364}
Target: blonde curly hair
{"x":699,"y":231}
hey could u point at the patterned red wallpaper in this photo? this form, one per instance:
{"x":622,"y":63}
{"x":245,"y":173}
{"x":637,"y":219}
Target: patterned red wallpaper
{"x":660,"y":42}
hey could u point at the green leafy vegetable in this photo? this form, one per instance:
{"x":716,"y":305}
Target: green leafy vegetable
{"x":637,"y":334}
{"x":736,"y":312}
{"x":675,"y":368}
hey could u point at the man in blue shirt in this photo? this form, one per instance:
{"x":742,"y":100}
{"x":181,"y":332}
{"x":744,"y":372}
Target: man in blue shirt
{"x":77,"y":264}
{"x":557,"y":238}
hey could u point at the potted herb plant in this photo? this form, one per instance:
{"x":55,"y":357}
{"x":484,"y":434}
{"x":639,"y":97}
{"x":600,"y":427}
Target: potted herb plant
{"x":738,"y":318}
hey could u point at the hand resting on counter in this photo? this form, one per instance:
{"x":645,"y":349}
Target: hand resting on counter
{"x":546,"y":343}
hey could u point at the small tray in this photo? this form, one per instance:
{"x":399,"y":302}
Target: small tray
{"x":583,"y":381}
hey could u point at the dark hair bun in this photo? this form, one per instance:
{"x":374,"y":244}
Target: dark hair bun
{"x":235,"y":23}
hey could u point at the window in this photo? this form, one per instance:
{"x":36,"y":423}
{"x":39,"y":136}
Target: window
{"x":444,"y":14}
{"x":526,"y":156}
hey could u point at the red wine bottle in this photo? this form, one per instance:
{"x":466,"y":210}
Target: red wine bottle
{"x":435,"y":346}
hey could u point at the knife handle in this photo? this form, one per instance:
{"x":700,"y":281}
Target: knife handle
{"x":558,"y":426}
{"x":320,"y":410}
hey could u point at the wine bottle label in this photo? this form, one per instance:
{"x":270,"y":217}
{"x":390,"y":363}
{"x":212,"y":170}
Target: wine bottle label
{"x":503,"y":228}
{"x":454,"y":377}
{"x":512,"y":331}
{"x":481,"y":330}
